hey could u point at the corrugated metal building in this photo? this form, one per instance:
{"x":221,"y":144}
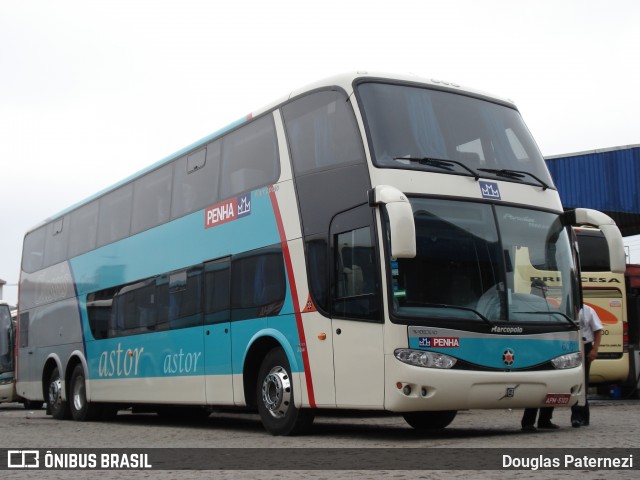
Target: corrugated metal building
{"x":607,"y":180}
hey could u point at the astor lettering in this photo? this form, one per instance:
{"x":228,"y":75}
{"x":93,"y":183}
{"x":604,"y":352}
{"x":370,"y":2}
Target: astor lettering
{"x":181,"y":362}
{"x":119,"y":363}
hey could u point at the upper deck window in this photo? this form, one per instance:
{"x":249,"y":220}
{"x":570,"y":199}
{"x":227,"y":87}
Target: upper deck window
{"x":250,"y":157}
{"x":322,"y":132}
{"x":409,"y":125}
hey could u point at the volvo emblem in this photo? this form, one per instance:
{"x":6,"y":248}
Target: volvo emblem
{"x":510,"y":392}
{"x":508,"y":357}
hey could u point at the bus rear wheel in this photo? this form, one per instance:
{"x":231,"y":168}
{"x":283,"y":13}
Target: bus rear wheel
{"x":275,"y":393}
{"x":426,"y":421}
{"x":81,"y":409}
{"x":56,"y":406}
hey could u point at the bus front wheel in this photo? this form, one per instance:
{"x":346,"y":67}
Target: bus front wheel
{"x":430,"y":420}
{"x":56,"y":406}
{"x":81,"y":409}
{"x":275,"y":393}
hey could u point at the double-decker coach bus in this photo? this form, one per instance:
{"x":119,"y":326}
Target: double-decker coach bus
{"x":356,"y":245}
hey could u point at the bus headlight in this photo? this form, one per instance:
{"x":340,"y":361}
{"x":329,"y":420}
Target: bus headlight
{"x":424,"y":359}
{"x":570,"y":360}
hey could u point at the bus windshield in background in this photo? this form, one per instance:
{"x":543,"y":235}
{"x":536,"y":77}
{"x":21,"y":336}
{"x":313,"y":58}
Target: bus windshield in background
{"x":484,"y":263}
{"x":418,"y":128}
{"x":593,"y":249}
{"x":6,"y":339}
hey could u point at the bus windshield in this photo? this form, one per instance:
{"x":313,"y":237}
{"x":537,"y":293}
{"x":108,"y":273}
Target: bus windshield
{"x":6,"y":340}
{"x":418,"y":128}
{"x":485,"y":263}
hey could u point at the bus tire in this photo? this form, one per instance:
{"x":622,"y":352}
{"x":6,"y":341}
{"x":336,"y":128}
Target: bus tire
{"x":81,"y":409}
{"x":430,"y":420}
{"x":58,"y":408}
{"x":275,"y":394}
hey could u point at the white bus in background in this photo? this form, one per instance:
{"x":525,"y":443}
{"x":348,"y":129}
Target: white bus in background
{"x":356,"y":245}
{"x":7,"y":342}
{"x":7,"y":359}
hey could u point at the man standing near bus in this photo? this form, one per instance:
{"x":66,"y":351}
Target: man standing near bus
{"x":538,"y":288}
{"x":591,"y":328}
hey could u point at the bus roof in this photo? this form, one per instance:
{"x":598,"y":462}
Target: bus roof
{"x":344,"y":81}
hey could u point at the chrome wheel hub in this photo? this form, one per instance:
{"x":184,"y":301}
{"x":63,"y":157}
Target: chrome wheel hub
{"x":55,"y":392}
{"x":276,"y":392}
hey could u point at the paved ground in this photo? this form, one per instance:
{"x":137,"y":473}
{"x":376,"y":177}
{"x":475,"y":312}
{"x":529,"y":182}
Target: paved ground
{"x":615,"y":424}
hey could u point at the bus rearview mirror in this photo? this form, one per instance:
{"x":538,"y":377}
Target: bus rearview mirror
{"x":608,"y":227}
{"x":401,"y":225}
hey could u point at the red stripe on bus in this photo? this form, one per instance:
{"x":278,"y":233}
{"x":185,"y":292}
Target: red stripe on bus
{"x":294,"y":296}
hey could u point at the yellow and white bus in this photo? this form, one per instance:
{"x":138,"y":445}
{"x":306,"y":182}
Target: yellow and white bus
{"x":605,"y":291}
{"x":351,"y":246}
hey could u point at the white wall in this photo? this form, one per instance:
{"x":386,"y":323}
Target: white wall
{"x":632,"y":249}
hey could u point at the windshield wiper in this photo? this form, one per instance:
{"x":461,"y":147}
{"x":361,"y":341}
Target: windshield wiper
{"x":456,"y":307}
{"x":516,"y":174}
{"x":440,"y":163}
{"x":565,"y":316}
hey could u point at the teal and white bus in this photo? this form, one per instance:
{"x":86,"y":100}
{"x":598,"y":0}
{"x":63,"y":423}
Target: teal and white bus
{"x":366,"y":242}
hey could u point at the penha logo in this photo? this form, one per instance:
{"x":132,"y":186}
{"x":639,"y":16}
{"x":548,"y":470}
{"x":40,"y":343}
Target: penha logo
{"x":490,"y":190}
{"x":227,"y":211}
{"x":439,"y":342}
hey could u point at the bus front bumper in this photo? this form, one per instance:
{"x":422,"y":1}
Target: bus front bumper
{"x":409,"y":388}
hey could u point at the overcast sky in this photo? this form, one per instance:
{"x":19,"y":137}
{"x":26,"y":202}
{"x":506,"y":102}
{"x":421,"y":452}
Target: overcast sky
{"x":93,"y":91}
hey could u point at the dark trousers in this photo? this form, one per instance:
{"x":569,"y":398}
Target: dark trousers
{"x":581,"y":412}
{"x":529,"y":417}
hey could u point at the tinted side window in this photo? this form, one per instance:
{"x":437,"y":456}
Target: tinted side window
{"x":24,"y":329}
{"x":249,"y":157}
{"x":84,"y":229}
{"x":355,"y":275}
{"x":195,"y":183}
{"x":115,"y":215}
{"x":134,"y":310}
{"x":317,"y":266}
{"x":185,"y":294}
{"x":258,"y":284}
{"x":56,"y":244}
{"x":152,"y":199}
{"x":322,"y":132}
{"x":33,"y":250}
{"x":216,"y":292}
{"x":594,"y":252}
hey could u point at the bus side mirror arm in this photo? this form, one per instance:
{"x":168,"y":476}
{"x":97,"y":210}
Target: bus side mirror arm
{"x":608,"y":227}
{"x":401,"y":225}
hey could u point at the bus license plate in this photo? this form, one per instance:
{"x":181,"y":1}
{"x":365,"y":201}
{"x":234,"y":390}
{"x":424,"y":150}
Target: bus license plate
{"x":557,"y":399}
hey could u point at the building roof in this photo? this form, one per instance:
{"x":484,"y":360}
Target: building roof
{"x":605,"y":180}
